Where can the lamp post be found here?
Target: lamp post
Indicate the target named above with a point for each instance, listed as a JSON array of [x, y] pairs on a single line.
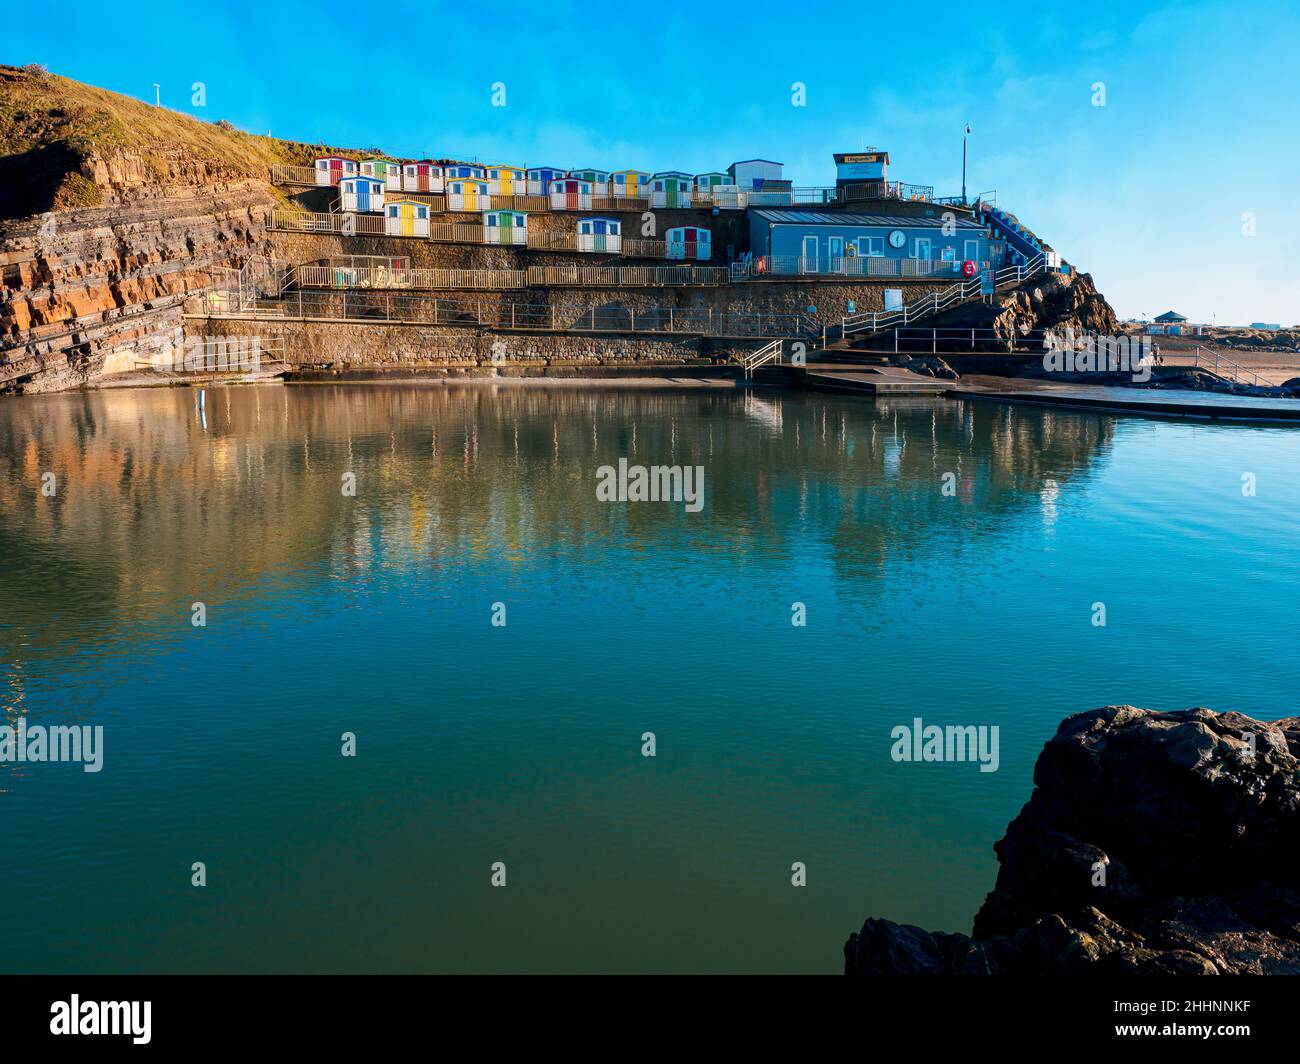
[[964, 135]]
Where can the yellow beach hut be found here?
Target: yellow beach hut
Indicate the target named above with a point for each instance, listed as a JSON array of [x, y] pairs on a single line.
[[629, 184], [467, 194], [507, 181], [406, 218]]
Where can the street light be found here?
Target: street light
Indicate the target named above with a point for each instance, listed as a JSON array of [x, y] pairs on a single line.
[[964, 135]]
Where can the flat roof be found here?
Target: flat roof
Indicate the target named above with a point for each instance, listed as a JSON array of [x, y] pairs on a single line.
[[813, 217]]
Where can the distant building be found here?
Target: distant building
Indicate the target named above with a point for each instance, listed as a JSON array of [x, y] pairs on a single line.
[[1271, 327], [1169, 317], [755, 173]]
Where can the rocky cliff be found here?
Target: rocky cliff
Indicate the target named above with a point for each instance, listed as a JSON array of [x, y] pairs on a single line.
[[111, 211], [1048, 301], [1152, 843]]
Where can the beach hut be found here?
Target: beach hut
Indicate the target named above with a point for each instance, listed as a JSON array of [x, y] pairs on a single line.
[[506, 181], [424, 176], [600, 234], [361, 194], [598, 179], [629, 183], [711, 180], [467, 194], [333, 168], [670, 189], [540, 178], [505, 227], [690, 242], [406, 218], [570, 194], [385, 170], [469, 170]]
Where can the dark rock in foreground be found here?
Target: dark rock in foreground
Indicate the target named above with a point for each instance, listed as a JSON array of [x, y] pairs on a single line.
[[1198, 837]]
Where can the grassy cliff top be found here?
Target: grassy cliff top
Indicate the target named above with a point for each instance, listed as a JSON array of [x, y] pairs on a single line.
[[57, 135]]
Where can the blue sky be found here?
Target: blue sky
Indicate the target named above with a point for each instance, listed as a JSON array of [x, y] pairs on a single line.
[[1147, 193]]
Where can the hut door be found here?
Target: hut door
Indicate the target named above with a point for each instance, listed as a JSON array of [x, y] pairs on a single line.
[[835, 252], [571, 195], [598, 229], [408, 220], [336, 170], [808, 261], [505, 227], [363, 195], [692, 244]]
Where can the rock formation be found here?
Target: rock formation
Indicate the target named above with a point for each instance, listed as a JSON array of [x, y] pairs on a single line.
[[1194, 818]]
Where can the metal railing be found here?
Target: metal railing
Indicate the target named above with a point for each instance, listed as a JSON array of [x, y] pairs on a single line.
[[359, 306], [345, 277], [455, 233], [932, 303], [295, 175], [345, 224], [520, 203], [846, 266], [1221, 366], [767, 353], [628, 276]]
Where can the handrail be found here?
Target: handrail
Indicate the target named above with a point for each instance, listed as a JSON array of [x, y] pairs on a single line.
[[1235, 368], [767, 353], [934, 302]]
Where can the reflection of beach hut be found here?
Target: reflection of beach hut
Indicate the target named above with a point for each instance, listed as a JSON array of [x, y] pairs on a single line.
[[385, 170], [506, 180], [406, 218], [600, 234], [570, 194], [467, 195], [470, 170], [598, 179], [333, 168], [540, 178], [690, 242], [361, 194], [505, 227], [672, 188], [629, 183], [424, 176]]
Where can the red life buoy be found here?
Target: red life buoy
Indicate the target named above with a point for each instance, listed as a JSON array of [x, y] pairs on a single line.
[[968, 268]]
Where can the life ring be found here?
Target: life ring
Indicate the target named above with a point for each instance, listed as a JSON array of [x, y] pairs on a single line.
[[968, 268]]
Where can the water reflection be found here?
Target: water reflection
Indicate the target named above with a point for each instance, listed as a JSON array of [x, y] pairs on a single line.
[[153, 507]]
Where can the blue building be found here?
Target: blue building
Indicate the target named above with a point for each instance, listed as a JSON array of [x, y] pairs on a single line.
[[794, 240]]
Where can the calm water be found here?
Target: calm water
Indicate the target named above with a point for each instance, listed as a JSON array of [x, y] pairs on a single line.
[[522, 743]]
